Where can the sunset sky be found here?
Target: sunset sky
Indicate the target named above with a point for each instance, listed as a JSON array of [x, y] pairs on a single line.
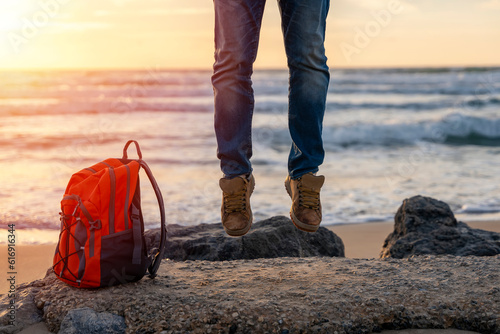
[[179, 34]]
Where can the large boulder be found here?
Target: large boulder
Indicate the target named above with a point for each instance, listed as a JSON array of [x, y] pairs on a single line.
[[424, 225], [273, 237]]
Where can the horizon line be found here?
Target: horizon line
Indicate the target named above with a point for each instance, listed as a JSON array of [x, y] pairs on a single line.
[[202, 69]]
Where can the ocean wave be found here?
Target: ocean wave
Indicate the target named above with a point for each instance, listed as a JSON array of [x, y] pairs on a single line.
[[479, 102], [146, 77], [118, 106], [423, 70], [453, 129], [205, 104], [470, 93], [414, 89], [479, 209]]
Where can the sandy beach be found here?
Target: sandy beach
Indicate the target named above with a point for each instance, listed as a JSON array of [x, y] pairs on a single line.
[[360, 240]]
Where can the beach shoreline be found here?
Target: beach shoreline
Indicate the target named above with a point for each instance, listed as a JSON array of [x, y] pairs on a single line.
[[361, 240]]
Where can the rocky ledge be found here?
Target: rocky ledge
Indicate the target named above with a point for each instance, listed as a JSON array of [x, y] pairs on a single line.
[[285, 295]]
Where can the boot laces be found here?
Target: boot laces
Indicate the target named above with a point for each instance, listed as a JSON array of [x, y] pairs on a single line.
[[308, 198], [235, 202]]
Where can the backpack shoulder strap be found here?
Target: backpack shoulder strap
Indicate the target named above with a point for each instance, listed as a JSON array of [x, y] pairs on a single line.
[[155, 264], [156, 258]]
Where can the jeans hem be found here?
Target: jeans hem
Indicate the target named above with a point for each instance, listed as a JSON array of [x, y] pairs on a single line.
[[297, 175]]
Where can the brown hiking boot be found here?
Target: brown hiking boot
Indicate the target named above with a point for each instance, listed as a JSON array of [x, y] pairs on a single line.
[[306, 204], [235, 210]]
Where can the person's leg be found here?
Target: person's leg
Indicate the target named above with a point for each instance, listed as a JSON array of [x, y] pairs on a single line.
[[303, 25], [237, 27]]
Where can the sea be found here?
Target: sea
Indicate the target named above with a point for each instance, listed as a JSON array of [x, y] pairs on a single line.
[[389, 134]]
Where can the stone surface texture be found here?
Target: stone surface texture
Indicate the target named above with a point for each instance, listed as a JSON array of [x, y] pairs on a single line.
[[312, 295]]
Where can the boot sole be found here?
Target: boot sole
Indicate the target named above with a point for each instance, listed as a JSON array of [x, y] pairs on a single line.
[[238, 233], [301, 226], [298, 224]]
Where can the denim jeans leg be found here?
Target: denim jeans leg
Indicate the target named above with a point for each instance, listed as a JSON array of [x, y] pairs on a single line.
[[303, 25], [237, 28]]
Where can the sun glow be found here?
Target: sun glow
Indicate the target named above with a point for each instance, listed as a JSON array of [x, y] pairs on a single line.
[[11, 12], [175, 34]]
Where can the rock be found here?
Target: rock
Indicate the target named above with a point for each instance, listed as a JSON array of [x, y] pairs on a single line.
[[86, 321], [26, 313], [302, 295], [273, 237], [424, 225]]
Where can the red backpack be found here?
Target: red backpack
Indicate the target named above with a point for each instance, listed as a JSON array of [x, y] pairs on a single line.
[[102, 229]]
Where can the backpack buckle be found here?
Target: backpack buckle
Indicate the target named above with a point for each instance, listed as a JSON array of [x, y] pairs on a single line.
[[63, 217], [95, 225]]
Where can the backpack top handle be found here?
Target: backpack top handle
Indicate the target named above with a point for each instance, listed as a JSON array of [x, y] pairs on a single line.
[[139, 153]]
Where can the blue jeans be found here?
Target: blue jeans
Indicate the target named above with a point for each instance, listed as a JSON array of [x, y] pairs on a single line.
[[237, 28]]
